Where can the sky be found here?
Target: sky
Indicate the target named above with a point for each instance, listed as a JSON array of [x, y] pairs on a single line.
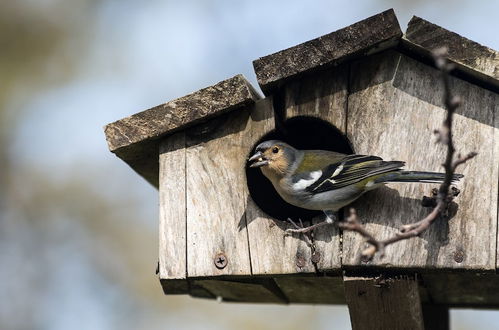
[[119, 58]]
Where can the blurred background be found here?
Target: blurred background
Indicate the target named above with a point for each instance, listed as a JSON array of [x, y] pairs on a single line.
[[78, 228]]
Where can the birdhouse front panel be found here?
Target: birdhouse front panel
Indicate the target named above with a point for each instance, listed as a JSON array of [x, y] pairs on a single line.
[[394, 106]]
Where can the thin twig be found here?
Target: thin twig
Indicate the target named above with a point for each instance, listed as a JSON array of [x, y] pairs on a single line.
[[444, 197]]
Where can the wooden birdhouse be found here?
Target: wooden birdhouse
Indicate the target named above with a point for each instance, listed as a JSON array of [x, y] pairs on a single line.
[[366, 89]]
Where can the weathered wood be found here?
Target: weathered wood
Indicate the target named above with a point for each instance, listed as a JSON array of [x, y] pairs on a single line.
[[373, 34], [384, 304], [323, 96], [463, 289], [240, 291], [172, 215], [435, 317], [394, 105], [479, 61], [389, 108], [312, 289], [495, 147], [271, 252], [175, 286], [135, 139], [216, 198]]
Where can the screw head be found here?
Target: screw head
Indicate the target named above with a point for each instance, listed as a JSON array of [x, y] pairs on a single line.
[[300, 261], [316, 257], [220, 260], [459, 256]]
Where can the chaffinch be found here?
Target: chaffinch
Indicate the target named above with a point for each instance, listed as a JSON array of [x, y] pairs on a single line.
[[327, 181]]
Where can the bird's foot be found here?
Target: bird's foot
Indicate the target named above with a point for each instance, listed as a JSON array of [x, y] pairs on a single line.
[[301, 229], [300, 226]]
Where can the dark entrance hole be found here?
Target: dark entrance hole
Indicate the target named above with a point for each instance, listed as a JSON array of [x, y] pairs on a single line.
[[301, 133]]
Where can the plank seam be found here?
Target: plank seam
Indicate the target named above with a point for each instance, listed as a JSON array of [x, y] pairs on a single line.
[[185, 207]]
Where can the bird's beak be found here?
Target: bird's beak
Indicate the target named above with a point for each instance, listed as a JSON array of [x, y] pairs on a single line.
[[258, 159]]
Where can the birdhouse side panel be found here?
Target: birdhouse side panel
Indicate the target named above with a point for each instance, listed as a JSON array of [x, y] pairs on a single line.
[[394, 106], [172, 214]]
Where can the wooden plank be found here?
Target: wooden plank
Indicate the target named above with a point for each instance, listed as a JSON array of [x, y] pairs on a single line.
[[394, 105], [463, 289], [135, 138], [436, 317], [383, 304], [246, 129], [238, 291], [312, 289], [216, 196], [271, 252], [373, 34], [322, 95], [478, 61], [495, 146], [177, 114], [172, 215], [175, 286]]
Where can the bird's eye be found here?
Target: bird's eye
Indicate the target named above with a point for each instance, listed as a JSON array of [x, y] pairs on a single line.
[[275, 150]]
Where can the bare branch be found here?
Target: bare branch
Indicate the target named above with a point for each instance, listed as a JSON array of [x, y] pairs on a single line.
[[443, 196], [352, 223]]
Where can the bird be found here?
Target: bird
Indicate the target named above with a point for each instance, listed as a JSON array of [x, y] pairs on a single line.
[[326, 180]]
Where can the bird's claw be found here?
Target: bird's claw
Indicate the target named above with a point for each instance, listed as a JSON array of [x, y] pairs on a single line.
[[301, 229], [298, 230], [297, 227]]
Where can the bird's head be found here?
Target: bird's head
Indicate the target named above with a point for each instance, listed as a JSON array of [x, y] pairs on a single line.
[[274, 156]]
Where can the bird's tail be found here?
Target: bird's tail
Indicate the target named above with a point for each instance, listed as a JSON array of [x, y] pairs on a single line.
[[415, 176]]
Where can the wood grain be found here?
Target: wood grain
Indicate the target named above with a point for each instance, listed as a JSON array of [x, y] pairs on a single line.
[[460, 289], [271, 252], [322, 95], [240, 291], [386, 304], [172, 214], [180, 113], [216, 196], [394, 105], [312, 289], [476, 60], [135, 139], [372, 34]]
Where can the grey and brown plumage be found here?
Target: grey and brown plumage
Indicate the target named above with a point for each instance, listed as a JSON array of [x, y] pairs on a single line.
[[326, 180]]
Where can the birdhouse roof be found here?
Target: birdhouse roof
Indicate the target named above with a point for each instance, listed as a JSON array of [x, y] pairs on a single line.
[[135, 138]]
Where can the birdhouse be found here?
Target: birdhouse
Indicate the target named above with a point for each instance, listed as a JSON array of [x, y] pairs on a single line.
[[365, 89]]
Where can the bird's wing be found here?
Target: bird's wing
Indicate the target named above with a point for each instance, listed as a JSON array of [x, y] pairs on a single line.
[[350, 170]]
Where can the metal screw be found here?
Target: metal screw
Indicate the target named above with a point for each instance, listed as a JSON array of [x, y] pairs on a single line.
[[459, 256], [220, 261], [300, 261], [316, 257]]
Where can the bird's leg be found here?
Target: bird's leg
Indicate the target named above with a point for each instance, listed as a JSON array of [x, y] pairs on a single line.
[[308, 240], [330, 218]]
